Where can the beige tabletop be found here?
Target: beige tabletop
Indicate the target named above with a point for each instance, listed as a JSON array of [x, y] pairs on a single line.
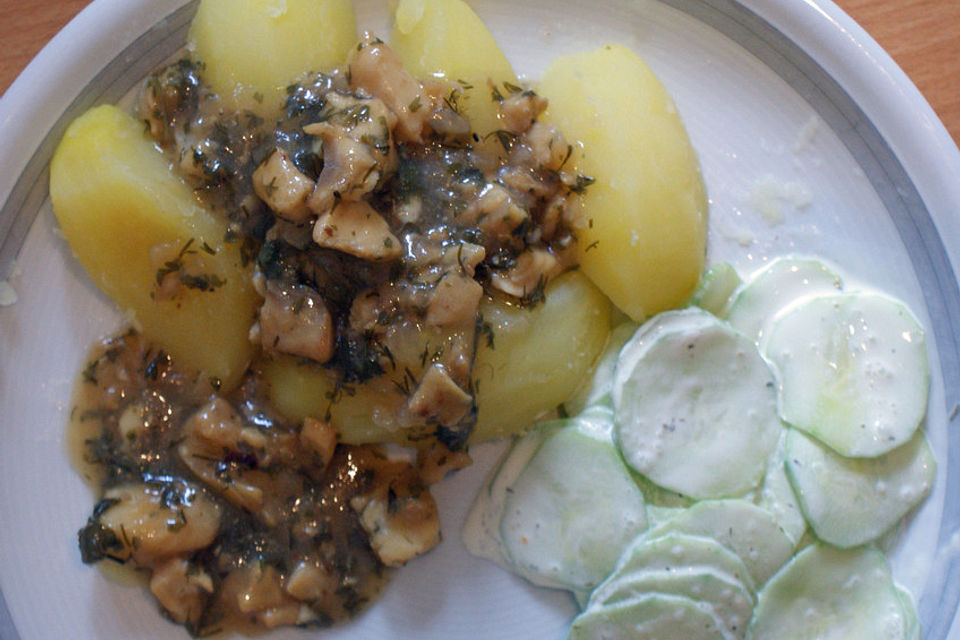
[[923, 36]]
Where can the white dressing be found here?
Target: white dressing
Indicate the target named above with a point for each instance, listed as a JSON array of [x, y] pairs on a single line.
[[852, 371]]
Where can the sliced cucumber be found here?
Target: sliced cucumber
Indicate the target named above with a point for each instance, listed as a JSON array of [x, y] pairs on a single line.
[[570, 512], [481, 528], [596, 389], [672, 550], [851, 501], [716, 288], [690, 396], [852, 370], [648, 617], [778, 284], [825, 594], [911, 619], [639, 343], [657, 514], [776, 495], [655, 495], [596, 421], [728, 598], [744, 528]]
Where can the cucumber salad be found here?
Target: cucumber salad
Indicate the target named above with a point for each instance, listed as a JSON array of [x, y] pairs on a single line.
[[733, 469]]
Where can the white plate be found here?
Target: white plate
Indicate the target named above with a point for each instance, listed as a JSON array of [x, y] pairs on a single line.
[[776, 94]]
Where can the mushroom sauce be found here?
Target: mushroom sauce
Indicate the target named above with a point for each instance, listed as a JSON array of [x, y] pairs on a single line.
[[375, 221]]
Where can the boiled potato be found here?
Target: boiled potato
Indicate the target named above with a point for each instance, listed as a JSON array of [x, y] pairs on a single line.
[[446, 39], [134, 227], [363, 413], [537, 360], [644, 246], [368, 412], [539, 356], [253, 49]]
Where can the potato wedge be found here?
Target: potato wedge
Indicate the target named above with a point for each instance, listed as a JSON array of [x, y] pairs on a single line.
[[645, 243], [374, 411], [539, 356], [362, 413], [148, 244], [253, 49], [537, 360], [446, 39]]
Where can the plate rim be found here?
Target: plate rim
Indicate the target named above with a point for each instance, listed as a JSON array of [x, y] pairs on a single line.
[[831, 38]]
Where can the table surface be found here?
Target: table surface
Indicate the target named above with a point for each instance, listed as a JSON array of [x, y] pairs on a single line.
[[923, 36]]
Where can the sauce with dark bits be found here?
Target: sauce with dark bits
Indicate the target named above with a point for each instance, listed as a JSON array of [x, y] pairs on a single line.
[[131, 411], [373, 229]]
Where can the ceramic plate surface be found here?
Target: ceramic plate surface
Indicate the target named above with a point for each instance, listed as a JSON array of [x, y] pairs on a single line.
[[810, 138]]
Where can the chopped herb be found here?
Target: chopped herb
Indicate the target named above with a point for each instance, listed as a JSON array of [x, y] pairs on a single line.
[[89, 373], [175, 265], [582, 183], [201, 282], [415, 105], [485, 329], [512, 88], [452, 101], [270, 188], [538, 294], [506, 138]]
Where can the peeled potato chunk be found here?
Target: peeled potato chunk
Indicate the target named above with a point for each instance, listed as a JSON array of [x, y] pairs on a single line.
[[253, 49], [647, 209], [539, 356], [148, 244], [446, 39], [364, 413]]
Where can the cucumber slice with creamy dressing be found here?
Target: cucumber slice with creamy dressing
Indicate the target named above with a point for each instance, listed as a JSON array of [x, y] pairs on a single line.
[[596, 389], [728, 598], [669, 550], [780, 283], [481, 528], [910, 616], [825, 594], [691, 395], [640, 342], [852, 501], [852, 370], [570, 512], [647, 617], [776, 495], [716, 288], [744, 528]]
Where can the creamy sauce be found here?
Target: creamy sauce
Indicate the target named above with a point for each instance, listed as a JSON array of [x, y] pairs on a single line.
[[304, 518], [372, 232]]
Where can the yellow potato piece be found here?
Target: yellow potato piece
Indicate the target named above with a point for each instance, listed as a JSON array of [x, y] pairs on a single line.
[[539, 356], [122, 210], [646, 240], [253, 49], [446, 39], [362, 413]]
